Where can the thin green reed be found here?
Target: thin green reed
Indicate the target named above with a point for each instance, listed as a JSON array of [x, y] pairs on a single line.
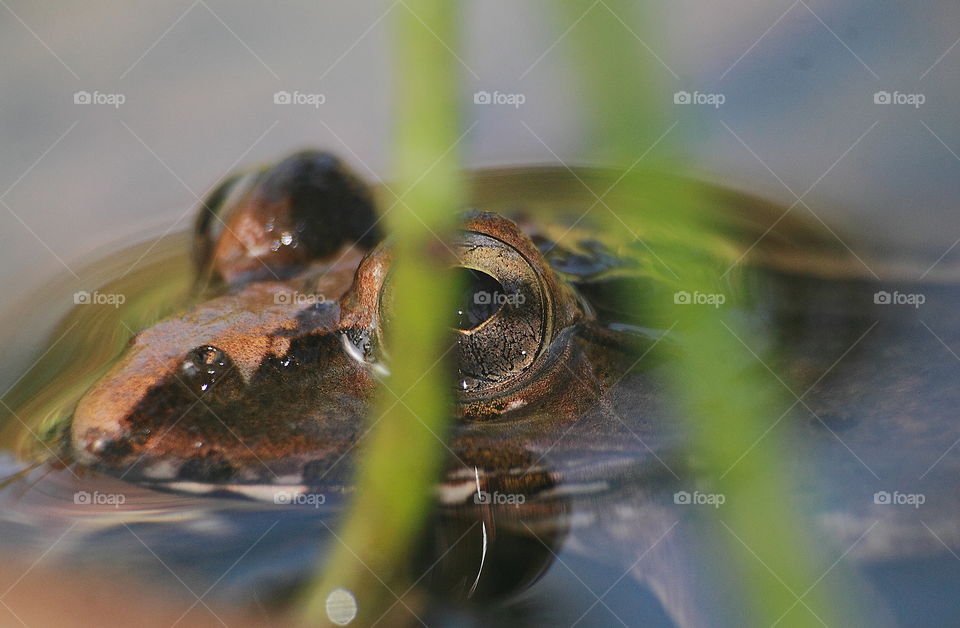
[[403, 452], [721, 385]]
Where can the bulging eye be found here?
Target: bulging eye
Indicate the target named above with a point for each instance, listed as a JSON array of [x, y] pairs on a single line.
[[510, 309], [502, 316], [274, 222]]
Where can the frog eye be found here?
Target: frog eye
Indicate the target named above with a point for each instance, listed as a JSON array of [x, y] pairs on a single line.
[[510, 310], [503, 314], [271, 224]]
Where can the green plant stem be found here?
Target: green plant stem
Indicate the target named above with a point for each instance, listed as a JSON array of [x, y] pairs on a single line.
[[402, 454], [722, 387]]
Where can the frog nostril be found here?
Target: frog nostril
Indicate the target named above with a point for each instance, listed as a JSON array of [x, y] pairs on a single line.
[[205, 366]]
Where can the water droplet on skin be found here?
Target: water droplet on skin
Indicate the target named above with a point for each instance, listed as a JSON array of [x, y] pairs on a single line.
[[198, 444], [286, 238], [275, 246]]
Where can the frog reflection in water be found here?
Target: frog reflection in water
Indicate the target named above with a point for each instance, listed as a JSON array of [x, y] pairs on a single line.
[[269, 382]]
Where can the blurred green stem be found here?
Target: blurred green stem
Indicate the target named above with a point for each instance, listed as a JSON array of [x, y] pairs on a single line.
[[402, 454], [721, 385]]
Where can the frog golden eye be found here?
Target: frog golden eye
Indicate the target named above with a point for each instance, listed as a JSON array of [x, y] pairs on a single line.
[[510, 310], [503, 314]]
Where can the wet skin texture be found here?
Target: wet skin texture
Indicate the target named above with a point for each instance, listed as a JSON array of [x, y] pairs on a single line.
[[269, 381]]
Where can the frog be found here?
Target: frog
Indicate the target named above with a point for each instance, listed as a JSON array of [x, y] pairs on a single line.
[[559, 396], [270, 378], [263, 389]]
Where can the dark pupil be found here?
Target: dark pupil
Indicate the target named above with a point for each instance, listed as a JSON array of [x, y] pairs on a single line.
[[481, 297]]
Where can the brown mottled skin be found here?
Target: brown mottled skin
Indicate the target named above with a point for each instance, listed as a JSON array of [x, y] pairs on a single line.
[[269, 381]]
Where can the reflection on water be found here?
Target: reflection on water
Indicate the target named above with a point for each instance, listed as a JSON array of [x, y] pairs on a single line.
[[595, 522]]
